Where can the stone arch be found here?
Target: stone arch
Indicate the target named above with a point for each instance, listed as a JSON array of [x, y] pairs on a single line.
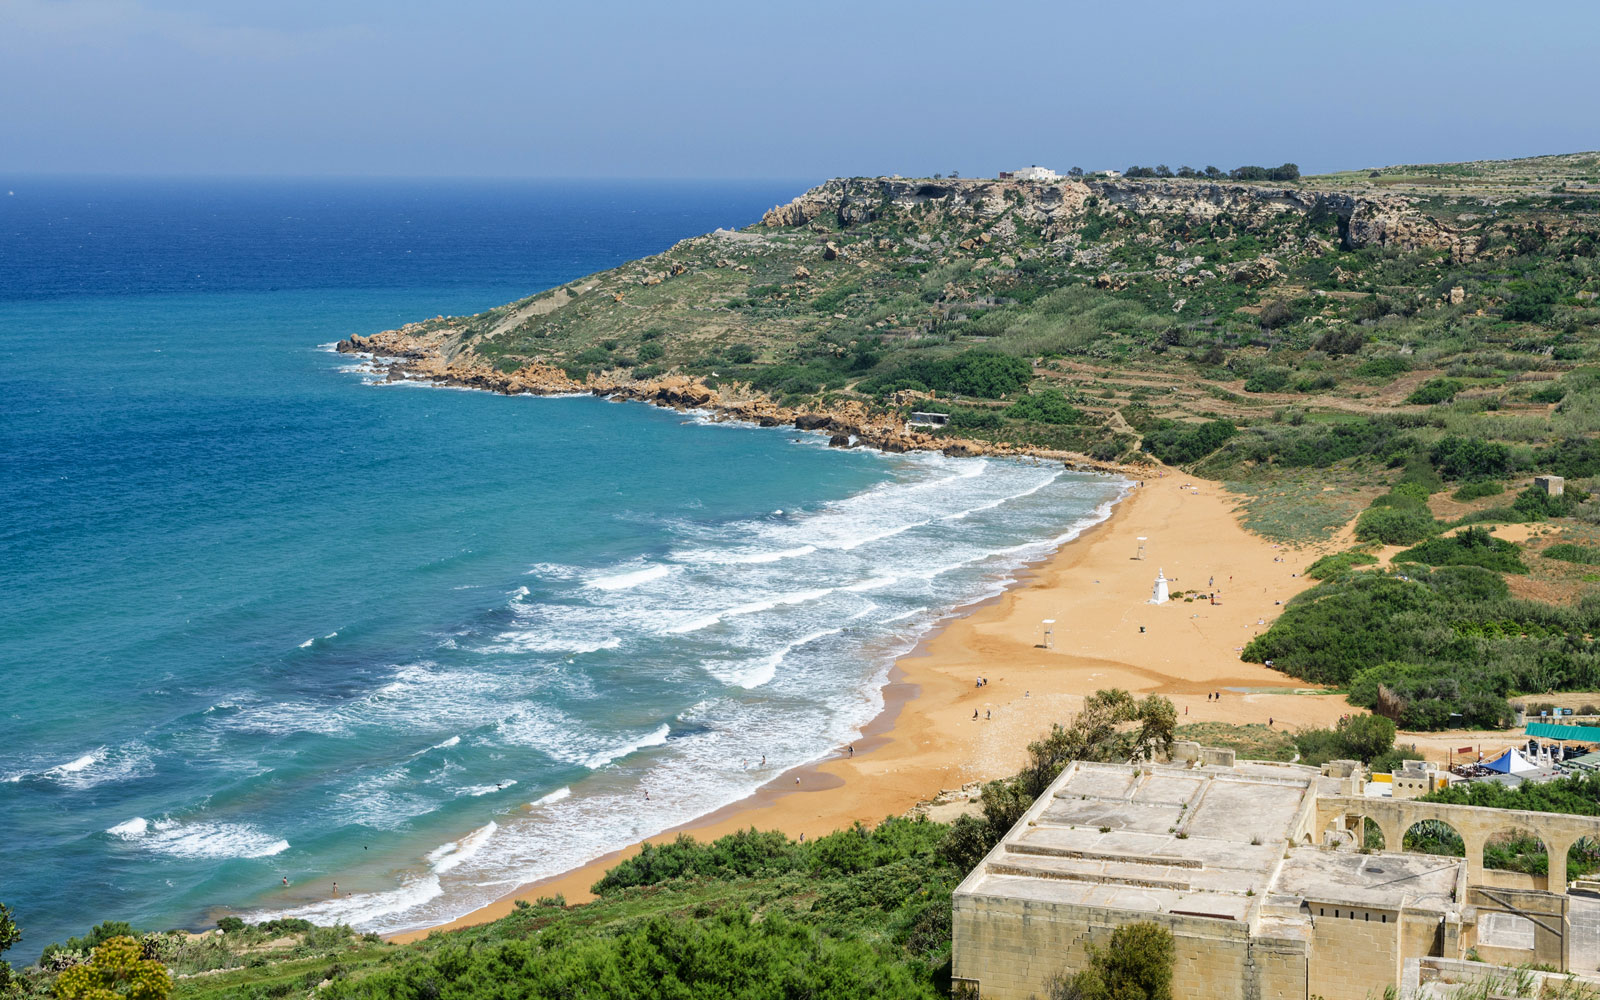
[[1434, 836], [1372, 835], [1516, 849], [1583, 859]]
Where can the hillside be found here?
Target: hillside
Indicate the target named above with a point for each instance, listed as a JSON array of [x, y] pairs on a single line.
[[1417, 341], [1138, 301]]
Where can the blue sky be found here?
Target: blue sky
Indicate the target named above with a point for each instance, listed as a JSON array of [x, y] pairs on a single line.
[[694, 88]]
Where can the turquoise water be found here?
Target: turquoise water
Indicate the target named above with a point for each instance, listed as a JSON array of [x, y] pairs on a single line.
[[267, 620]]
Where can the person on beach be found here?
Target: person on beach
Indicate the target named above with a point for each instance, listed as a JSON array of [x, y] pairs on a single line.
[[974, 714], [335, 890], [763, 760], [986, 713], [852, 749], [286, 881]]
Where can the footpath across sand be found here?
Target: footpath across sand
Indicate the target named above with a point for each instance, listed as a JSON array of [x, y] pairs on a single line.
[[1105, 635]]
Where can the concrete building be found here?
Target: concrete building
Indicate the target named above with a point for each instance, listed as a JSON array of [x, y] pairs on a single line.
[[1033, 173], [1257, 870], [1552, 485]]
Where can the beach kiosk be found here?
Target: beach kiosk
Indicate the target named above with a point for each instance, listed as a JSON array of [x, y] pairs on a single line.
[[1140, 554], [1158, 593]]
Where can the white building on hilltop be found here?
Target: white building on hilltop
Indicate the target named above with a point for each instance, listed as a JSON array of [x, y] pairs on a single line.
[[1033, 173]]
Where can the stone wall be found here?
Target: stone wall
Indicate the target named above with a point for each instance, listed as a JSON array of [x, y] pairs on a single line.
[[1011, 948], [1355, 952]]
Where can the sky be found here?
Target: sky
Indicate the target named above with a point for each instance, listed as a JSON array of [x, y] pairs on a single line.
[[708, 89]]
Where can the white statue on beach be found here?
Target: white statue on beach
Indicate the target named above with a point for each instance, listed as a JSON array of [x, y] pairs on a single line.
[[1158, 593]]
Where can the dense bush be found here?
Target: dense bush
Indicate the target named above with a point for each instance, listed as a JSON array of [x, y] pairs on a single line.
[[1567, 552], [1047, 406], [1321, 445], [1440, 642], [1268, 379], [1574, 458], [749, 853], [1478, 489], [725, 954], [1435, 390], [1434, 696], [1356, 737], [1395, 525], [1471, 458], [987, 374], [1472, 547], [1387, 367], [1339, 563], [1179, 444], [1534, 504]]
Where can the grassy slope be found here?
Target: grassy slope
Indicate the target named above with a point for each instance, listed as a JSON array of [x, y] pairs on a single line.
[[1117, 316]]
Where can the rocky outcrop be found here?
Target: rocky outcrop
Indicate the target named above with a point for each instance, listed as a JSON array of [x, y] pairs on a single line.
[[427, 353], [1061, 207]]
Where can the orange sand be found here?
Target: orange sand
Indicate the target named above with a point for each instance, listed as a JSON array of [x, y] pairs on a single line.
[[1094, 588]]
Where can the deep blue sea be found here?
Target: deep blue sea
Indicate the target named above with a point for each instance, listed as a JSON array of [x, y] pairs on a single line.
[[265, 620]]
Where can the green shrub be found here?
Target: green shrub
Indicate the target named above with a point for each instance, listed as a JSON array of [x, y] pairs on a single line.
[[1136, 965], [1535, 504], [1356, 737], [1339, 563], [650, 351], [1180, 444], [1568, 552], [1435, 390], [1269, 379], [1047, 406], [1478, 489], [1472, 547], [1471, 458], [986, 374], [1395, 525], [1385, 368]]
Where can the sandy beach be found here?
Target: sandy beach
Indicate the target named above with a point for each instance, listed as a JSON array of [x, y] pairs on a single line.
[[1106, 635]]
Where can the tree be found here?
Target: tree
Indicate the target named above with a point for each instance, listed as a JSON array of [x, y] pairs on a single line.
[[1113, 727], [115, 971], [10, 934], [1213, 173], [1136, 966], [1075, 172]]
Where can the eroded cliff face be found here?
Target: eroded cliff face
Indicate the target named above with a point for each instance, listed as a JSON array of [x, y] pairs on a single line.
[[1060, 208]]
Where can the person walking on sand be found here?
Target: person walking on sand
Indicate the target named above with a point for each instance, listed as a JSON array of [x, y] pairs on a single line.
[[974, 713], [852, 749]]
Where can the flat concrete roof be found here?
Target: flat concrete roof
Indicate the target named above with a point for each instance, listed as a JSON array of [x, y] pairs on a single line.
[[1198, 840], [1378, 881]]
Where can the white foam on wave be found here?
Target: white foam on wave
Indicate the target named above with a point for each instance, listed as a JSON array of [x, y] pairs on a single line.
[[447, 744], [992, 504], [477, 791], [363, 909], [83, 763], [198, 840], [655, 738], [741, 557], [706, 621], [553, 797], [766, 668], [448, 856], [630, 579], [307, 643]]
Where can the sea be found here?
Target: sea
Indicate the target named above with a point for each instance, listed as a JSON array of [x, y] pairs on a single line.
[[264, 620]]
